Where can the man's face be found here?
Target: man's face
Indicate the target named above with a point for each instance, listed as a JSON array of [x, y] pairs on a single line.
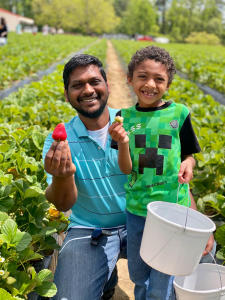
[[149, 81], [87, 91]]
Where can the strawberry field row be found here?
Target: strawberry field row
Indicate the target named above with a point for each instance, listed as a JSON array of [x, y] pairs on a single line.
[[203, 64], [26, 54]]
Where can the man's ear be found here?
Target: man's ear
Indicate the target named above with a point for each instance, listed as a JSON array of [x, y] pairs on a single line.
[[108, 87], [66, 96]]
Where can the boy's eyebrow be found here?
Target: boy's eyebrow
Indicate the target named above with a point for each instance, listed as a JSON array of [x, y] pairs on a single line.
[[156, 74]]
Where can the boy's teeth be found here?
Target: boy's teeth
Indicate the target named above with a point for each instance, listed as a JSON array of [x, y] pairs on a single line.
[[149, 94]]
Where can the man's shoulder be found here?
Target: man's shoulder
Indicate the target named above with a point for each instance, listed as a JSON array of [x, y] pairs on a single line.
[[73, 125], [113, 111]]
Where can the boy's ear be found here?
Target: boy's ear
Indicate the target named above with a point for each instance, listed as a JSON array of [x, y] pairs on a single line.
[[129, 80], [65, 94]]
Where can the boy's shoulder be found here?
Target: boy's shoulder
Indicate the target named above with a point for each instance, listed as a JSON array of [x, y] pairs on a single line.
[[128, 109], [180, 107]]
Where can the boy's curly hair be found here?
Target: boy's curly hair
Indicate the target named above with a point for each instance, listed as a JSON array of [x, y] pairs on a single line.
[[154, 53]]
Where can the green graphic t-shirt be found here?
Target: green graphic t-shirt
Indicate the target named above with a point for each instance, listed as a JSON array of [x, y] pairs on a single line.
[[155, 137]]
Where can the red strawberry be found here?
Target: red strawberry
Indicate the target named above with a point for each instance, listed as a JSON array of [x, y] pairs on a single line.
[[59, 133]]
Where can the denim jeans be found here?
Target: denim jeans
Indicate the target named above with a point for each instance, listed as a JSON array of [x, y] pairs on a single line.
[[84, 269], [150, 284]]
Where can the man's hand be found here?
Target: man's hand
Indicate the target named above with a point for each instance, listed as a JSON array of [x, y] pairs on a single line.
[[186, 170], [118, 133], [58, 161]]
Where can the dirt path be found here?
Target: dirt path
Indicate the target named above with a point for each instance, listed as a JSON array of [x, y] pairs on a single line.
[[120, 97]]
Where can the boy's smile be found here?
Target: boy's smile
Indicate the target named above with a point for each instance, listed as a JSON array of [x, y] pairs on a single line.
[[150, 82]]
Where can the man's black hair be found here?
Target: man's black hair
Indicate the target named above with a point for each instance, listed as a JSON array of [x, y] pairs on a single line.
[[81, 60], [154, 53]]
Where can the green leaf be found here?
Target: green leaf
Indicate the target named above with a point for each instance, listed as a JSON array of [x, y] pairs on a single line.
[[47, 289], [45, 275], [38, 139], [221, 254], [28, 254], [22, 240], [220, 235], [4, 148], [9, 229], [5, 178], [3, 216], [4, 295], [6, 203], [33, 192]]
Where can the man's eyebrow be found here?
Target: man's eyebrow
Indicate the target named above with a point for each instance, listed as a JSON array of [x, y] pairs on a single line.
[[81, 80], [75, 81]]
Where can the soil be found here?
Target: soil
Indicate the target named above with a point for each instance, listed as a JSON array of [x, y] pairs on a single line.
[[120, 97]]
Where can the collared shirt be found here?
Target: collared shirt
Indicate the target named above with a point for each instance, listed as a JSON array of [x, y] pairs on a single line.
[[99, 181]]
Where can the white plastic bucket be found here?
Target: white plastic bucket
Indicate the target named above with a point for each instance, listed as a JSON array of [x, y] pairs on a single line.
[[206, 283], [173, 241]]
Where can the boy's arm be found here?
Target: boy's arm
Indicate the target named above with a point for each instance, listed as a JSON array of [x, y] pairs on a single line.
[[62, 192], [186, 169], [120, 136], [210, 243]]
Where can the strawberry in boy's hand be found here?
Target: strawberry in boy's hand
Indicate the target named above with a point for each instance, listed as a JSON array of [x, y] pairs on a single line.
[[118, 119], [59, 133]]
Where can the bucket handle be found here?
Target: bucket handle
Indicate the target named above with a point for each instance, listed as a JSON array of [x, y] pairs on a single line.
[[178, 189], [220, 278]]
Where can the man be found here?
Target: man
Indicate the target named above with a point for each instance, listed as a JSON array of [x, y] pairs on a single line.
[[85, 177]]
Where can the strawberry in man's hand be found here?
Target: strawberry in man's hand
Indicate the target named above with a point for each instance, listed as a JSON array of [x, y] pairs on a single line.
[[59, 133]]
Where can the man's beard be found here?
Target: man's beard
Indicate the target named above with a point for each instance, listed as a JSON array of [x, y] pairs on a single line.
[[94, 114]]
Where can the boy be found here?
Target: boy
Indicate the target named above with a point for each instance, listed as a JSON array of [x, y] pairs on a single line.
[[158, 137]]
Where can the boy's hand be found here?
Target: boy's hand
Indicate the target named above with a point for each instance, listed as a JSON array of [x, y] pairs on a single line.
[[118, 133], [209, 245], [186, 170], [58, 161]]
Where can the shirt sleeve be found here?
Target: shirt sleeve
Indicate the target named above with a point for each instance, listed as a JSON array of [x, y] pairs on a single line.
[[114, 144], [188, 139]]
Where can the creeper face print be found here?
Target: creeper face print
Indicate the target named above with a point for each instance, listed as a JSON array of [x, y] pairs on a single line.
[[151, 158]]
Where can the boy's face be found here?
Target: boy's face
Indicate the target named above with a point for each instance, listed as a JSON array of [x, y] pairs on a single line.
[[150, 81]]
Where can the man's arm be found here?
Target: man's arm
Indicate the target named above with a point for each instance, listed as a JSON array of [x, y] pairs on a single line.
[[62, 192]]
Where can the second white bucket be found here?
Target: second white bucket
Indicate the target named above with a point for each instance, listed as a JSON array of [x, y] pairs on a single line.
[[206, 283], [174, 237]]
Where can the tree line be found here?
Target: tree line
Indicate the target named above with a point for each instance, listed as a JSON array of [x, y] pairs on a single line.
[[176, 19]]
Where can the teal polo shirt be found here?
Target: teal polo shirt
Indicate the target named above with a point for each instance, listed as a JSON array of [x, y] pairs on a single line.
[[100, 183]]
